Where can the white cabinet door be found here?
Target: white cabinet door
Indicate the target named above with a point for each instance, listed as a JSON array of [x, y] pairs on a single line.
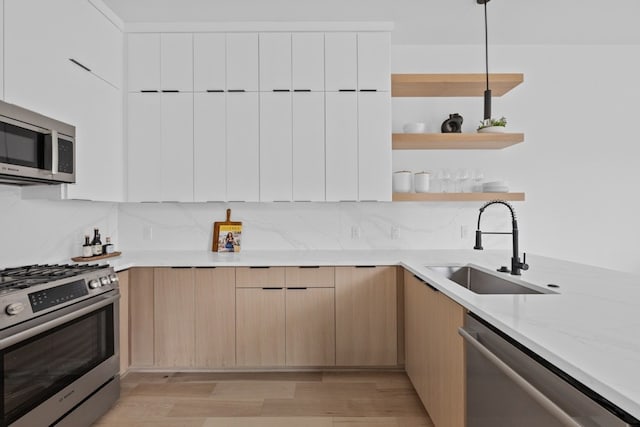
[[275, 61], [144, 147], [143, 58], [341, 66], [176, 62], [243, 168], [374, 146], [341, 146], [242, 62], [307, 56], [374, 70], [99, 148], [99, 46], [308, 146], [1, 49], [209, 62], [177, 147], [275, 147], [209, 147]]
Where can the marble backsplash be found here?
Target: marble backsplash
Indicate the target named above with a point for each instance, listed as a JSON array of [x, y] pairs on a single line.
[[306, 226]]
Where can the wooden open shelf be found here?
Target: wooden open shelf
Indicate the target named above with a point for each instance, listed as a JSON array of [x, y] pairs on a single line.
[[456, 197], [427, 85], [455, 141]]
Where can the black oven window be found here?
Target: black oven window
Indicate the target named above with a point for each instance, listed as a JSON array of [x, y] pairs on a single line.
[[37, 368]]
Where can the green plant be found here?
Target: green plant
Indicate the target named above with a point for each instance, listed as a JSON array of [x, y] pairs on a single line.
[[502, 121]]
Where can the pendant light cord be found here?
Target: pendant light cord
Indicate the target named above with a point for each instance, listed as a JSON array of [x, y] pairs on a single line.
[[486, 43]]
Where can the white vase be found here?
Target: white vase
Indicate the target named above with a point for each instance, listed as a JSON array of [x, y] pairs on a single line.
[[492, 129], [402, 181]]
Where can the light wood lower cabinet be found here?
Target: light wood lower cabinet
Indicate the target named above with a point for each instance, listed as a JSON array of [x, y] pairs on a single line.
[[174, 338], [310, 327], [141, 316], [434, 351], [260, 326], [215, 318], [123, 284], [366, 316]]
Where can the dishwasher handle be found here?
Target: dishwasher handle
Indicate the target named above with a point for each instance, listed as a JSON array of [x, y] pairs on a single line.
[[528, 388]]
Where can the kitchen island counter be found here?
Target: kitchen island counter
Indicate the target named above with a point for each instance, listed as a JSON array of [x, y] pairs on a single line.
[[588, 329]]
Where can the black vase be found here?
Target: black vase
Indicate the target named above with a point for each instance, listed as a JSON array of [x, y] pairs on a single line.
[[453, 124]]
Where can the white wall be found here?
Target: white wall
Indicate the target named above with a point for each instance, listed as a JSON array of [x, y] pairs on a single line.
[[42, 231]]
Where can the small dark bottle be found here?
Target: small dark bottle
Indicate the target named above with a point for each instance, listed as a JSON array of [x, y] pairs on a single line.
[[96, 243], [87, 248]]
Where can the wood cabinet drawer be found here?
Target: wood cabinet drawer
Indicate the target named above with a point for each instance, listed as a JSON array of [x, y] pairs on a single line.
[[313, 277], [257, 277]]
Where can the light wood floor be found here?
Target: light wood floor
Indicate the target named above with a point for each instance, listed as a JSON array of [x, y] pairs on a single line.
[[344, 399]]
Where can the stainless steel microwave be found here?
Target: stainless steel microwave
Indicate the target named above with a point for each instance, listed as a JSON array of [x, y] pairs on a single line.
[[35, 149]]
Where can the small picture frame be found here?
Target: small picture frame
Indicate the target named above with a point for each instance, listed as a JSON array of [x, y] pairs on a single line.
[[227, 235]]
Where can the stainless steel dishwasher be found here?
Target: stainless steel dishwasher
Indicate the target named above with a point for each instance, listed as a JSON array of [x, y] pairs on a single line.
[[508, 385]]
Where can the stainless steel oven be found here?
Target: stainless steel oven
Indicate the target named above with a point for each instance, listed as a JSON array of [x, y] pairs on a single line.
[[60, 358]]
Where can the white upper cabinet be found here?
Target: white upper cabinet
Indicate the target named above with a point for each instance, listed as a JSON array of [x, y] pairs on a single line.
[[143, 58], [209, 62], [177, 147], [342, 146], [275, 147], [308, 146], [144, 147], [374, 146], [307, 55], [341, 66], [1, 49], [275, 62], [374, 69], [243, 149], [176, 62], [209, 147], [242, 62]]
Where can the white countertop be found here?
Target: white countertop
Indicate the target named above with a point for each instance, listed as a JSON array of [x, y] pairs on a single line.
[[590, 329]]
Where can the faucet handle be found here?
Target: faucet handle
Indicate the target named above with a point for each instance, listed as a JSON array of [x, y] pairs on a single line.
[[524, 266]]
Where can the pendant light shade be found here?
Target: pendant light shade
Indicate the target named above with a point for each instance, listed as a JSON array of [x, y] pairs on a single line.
[[487, 92]]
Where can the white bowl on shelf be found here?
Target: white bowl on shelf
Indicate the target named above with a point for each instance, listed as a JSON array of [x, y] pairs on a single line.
[[492, 129], [414, 127]]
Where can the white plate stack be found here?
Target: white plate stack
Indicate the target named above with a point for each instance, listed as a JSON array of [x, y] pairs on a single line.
[[495, 187]]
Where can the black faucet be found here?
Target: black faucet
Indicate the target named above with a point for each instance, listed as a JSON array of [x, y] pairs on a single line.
[[516, 264]]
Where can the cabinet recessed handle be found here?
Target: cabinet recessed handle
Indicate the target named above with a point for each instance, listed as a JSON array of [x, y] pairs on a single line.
[[297, 289], [271, 289], [309, 266], [236, 90], [431, 287], [170, 91], [419, 278], [365, 266], [148, 91], [281, 90], [215, 90], [302, 90], [180, 267], [368, 90], [260, 266], [346, 90], [84, 67]]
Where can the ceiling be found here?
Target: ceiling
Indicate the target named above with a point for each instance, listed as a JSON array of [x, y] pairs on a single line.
[[421, 21]]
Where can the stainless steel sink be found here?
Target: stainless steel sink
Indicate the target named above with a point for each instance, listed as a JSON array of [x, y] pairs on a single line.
[[483, 282]]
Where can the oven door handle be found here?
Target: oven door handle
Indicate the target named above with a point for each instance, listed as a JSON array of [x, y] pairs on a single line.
[[43, 327], [54, 152], [525, 385]]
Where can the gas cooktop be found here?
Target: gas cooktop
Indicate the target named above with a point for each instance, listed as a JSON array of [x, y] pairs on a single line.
[[12, 279]]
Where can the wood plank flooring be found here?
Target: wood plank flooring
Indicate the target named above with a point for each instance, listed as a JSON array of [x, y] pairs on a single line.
[[273, 399]]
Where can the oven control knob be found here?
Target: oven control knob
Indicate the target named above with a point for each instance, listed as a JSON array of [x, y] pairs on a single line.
[[113, 277], [94, 284], [15, 308], [104, 281]]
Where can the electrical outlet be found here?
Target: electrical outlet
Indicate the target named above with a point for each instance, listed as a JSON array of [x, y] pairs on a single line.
[[395, 233], [147, 233], [355, 232], [464, 231]]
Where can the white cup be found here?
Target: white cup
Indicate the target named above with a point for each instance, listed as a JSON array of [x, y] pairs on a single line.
[[402, 182], [421, 182]]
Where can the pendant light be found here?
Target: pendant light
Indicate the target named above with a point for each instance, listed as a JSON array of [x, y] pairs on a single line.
[[487, 92]]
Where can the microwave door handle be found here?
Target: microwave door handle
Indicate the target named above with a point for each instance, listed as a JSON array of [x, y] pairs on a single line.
[[54, 152]]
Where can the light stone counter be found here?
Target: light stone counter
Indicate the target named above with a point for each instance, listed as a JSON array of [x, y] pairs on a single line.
[[590, 329]]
